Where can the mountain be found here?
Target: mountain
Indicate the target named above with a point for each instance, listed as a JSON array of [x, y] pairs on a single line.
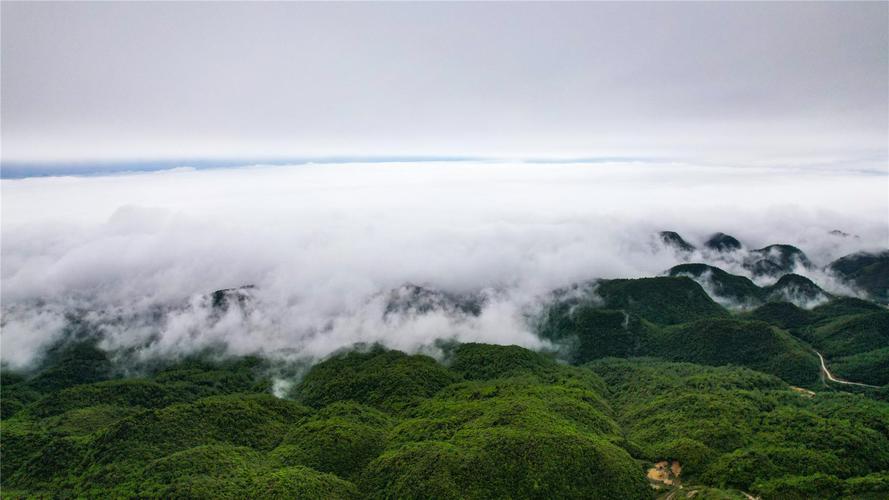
[[725, 288], [856, 345], [240, 297], [586, 332], [776, 260], [866, 271], [609, 321], [783, 315], [661, 300], [721, 242], [727, 341], [842, 234], [415, 299], [674, 240], [796, 289], [383, 379], [738, 292], [843, 306], [852, 335]]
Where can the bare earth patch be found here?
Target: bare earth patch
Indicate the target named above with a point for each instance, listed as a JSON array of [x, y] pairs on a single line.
[[804, 392], [664, 473]]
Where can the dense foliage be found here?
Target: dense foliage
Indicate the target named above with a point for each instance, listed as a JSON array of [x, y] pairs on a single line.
[[491, 422], [737, 428], [857, 345], [737, 289], [586, 329], [866, 271], [662, 300]]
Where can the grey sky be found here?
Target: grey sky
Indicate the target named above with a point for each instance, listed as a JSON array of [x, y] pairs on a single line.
[[767, 83]]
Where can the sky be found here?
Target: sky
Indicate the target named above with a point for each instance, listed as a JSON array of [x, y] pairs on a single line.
[[790, 84]]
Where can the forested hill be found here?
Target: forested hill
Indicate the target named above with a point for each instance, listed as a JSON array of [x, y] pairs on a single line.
[[485, 422]]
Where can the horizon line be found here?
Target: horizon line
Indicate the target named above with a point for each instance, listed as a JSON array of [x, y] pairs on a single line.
[[12, 170], [88, 168]]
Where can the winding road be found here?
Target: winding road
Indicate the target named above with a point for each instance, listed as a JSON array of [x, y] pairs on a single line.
[[826, 373]]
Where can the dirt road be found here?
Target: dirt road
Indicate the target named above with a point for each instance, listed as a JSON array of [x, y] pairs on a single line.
[[830, 376]]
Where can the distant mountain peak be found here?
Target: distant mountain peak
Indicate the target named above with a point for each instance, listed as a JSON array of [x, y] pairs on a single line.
[[843, 234], [866, 271], [722, 242], [418, 299], [776, 260], [798, 290], [674, 240], [227, 297], [728, 289]]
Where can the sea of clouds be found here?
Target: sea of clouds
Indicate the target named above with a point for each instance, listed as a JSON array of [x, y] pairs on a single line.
[[137, 254]]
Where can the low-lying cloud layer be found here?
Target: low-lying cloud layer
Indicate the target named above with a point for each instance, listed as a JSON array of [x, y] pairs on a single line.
[[324, 245]]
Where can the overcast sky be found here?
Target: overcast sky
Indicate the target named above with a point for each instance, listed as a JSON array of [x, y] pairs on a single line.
[[731, 83]]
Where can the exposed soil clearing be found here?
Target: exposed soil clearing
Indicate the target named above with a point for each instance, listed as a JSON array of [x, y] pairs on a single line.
[[804, 392], [664, 473]]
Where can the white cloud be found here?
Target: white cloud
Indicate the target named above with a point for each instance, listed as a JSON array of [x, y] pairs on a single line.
[[320, 242]]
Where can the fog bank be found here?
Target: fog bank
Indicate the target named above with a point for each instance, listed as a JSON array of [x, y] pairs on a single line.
[[324, 243]]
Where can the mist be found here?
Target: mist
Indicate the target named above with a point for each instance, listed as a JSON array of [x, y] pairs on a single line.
[[323, 245]]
